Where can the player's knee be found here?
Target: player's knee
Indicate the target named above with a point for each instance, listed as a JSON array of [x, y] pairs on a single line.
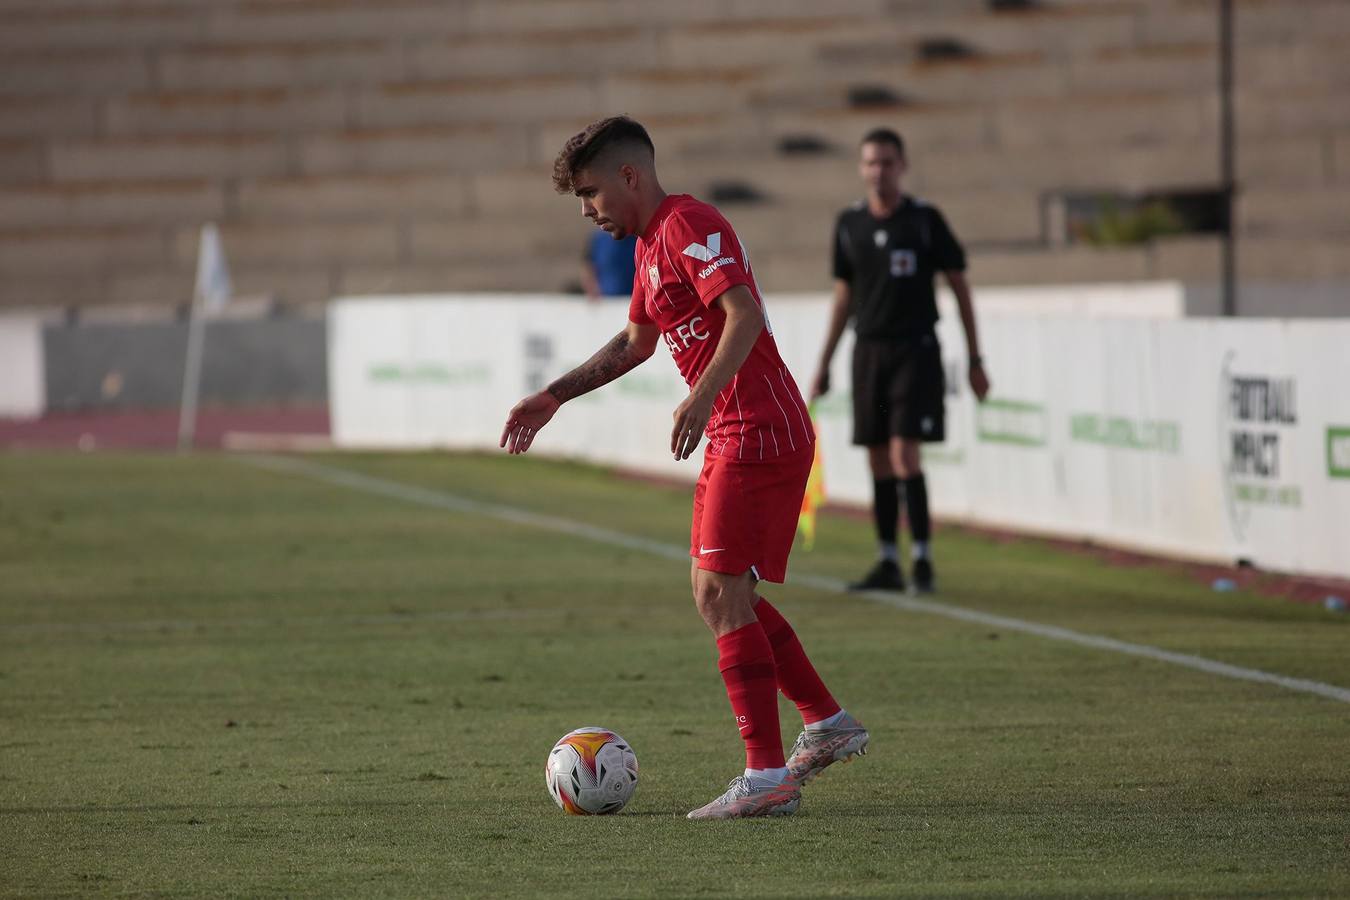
[[879, 458], [908, 460], [709, 595]]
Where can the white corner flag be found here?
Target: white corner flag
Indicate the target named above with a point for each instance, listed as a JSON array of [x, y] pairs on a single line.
[[213, 276], [210, 293]]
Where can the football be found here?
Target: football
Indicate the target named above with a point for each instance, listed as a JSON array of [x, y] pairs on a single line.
[[591, 772]]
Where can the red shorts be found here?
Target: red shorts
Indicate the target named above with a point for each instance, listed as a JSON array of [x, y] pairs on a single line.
[[745, 513]]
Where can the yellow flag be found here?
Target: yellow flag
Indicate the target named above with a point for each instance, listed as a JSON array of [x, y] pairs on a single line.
[[814, 498]]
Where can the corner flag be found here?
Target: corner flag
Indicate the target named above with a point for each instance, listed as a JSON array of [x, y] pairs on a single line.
[[210, 293], [814, 498], [213, 287]]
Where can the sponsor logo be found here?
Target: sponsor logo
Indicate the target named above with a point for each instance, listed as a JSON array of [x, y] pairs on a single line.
[[705, 252], [680, 338], [654, 277], [430, 373], [742, 722], [1017, 422], [1338, 451], [1131, 434], [880, 237], [1258, 413], [903, 263], [703, 550], [724, 261]]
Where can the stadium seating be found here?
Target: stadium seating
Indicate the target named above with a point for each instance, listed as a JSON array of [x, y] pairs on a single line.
[[350, 145]]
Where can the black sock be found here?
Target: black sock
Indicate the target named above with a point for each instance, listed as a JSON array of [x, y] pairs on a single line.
[[886, 508], [916, 504]]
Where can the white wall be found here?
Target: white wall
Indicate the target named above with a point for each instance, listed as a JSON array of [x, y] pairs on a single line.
[[22, 383], [1139, 430]]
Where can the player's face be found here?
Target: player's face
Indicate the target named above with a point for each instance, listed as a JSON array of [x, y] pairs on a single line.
[[608, 199], [881, 166]]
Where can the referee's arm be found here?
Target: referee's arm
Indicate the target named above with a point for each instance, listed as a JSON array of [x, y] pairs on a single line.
[[979, 379], [839, 311]]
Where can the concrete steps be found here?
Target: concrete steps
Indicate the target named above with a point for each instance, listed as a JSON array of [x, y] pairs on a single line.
[[349, 145]]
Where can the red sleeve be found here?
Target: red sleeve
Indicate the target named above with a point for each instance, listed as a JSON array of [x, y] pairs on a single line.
[[706, 254]]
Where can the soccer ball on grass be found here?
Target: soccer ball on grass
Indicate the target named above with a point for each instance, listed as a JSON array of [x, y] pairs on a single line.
[[591, 772]]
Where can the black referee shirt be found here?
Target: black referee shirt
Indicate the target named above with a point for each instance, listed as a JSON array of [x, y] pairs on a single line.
[[890, 263]]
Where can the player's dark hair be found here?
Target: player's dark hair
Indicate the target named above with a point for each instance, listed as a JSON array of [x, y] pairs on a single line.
[[884, 136], [582, 149]]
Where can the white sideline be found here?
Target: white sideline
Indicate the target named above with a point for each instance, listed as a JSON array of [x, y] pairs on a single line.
[[442, 500]]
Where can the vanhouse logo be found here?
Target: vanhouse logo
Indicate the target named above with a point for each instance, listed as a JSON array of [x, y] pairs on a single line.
[[1257, 415]]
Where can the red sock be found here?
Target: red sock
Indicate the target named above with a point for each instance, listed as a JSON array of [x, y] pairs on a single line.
[[797, 678], [746, 662]]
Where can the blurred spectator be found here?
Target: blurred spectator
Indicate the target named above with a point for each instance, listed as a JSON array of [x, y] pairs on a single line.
[[607, 266]]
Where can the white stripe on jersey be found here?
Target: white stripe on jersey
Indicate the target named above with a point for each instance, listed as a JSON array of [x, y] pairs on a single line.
[[661, 238], [781, 410], [721, 415], [783, 377], [740, 442]]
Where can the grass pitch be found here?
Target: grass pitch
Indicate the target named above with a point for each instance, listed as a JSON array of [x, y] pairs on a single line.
[[222, 681]]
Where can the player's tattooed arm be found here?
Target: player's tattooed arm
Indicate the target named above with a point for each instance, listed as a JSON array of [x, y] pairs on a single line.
[[626, 351]]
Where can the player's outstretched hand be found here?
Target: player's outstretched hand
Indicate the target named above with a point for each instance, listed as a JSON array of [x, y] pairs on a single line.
[[979, 382], [820, 385], [691, 417], [525, 420]]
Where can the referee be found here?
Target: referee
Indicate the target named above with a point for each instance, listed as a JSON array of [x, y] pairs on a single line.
[[887, 250]]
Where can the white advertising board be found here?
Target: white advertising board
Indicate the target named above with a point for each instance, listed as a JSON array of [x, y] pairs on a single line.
[[23, 384], [1210, 439]]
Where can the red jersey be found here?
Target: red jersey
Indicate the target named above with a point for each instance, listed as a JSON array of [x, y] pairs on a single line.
[[686, 258]]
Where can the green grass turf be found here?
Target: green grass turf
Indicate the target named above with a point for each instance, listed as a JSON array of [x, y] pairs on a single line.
[[222, 681]]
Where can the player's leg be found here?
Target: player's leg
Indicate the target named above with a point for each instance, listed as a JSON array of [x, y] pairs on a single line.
[[723, 546], [796, 676], [745, 659], [777, 498], [885, 500], [829, 733], [921, 387], [871, 414], [909, 465], [746, 662]]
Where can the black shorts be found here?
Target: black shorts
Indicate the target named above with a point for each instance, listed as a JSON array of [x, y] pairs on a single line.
[[898, 390]]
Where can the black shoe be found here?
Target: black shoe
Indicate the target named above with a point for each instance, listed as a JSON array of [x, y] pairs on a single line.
[[925, 581], [885, 576]]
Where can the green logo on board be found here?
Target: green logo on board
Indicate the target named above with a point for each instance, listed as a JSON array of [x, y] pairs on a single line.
[[1017, 422], [430, 373], [1130, 434], [1338, 451]]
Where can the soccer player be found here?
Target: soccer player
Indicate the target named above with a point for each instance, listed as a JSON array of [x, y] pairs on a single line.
[[695, 289], [887, 249]]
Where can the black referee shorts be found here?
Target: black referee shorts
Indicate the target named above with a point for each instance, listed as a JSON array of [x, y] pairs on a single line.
[[898, 387]]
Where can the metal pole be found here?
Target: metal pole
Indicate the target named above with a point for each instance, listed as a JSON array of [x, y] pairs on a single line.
[[192, 373], [1226, 158]]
